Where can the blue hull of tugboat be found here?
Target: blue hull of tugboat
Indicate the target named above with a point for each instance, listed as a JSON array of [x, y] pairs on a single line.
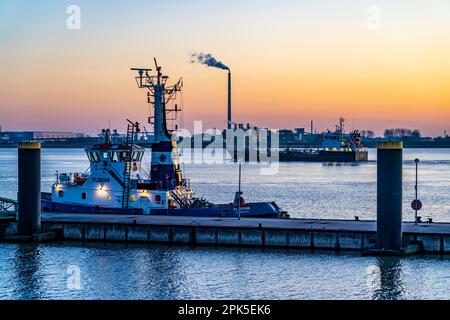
[[250, 210], [50, 206]]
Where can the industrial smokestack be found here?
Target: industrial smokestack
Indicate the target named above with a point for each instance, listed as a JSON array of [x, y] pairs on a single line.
[[208, 60], [229, 99]]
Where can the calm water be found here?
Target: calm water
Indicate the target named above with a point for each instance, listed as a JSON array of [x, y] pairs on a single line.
[[106, 271], [158, 272]]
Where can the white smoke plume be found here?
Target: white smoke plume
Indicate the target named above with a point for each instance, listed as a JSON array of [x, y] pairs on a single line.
[[208, 60]]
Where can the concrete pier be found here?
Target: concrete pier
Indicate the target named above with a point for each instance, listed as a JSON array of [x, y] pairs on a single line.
[[281, 233]]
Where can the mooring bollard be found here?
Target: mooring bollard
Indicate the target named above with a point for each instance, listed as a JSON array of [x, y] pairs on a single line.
[[29, 196], [389, 195]]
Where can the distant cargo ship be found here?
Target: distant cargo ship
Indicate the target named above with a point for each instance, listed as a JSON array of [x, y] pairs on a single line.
[[336, 147]]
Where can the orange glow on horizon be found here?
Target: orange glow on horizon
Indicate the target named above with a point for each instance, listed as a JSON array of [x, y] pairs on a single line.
[[286, 72]]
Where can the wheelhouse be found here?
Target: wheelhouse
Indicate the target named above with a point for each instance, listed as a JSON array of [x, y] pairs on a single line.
[[114, 153]]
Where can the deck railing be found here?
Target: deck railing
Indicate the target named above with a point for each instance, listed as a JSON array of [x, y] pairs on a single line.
[[8, 207]]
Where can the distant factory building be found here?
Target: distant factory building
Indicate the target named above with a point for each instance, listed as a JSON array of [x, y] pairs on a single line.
[[291, 136], [298, 138], [18, 136]]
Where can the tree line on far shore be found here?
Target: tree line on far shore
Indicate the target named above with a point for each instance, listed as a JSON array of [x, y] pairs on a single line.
[[394, 133]]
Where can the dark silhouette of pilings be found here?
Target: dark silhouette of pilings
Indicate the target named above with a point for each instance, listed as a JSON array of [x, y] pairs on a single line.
[[389, 195], [29, 196]]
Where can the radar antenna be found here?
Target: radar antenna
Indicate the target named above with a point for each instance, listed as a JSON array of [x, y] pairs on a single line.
[[158, 96]]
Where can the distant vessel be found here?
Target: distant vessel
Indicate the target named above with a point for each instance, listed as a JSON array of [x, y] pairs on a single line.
[[336, 147], [117, 183]]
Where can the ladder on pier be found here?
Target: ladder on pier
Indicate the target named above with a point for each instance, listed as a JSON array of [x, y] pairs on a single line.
[[127, 169], [8, 208]]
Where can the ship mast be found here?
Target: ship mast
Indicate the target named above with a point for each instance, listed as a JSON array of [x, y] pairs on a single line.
[[165, 170], [158, 96]]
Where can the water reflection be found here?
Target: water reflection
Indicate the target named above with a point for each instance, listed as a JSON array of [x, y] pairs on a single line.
[[28, 282], [145, 272], [386, 279], [118, 271], [163, 274]]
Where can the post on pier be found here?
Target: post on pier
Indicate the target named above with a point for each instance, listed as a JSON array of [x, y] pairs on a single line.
[[389, 195], [29, 195]]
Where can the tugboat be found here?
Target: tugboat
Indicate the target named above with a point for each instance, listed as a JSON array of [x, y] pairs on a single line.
[[336, 147], [117, 183]]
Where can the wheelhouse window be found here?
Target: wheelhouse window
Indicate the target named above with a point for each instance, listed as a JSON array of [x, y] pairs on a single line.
[[123, 156], [115, 156], [95, 156], [136, 156]]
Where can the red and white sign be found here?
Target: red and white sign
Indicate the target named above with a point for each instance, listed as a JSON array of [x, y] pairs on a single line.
[[416, 205]]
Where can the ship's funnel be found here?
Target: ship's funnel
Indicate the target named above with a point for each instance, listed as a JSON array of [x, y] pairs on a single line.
[[229, 99]]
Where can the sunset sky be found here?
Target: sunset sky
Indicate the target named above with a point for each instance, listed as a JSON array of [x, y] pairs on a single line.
[[292, 61]]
